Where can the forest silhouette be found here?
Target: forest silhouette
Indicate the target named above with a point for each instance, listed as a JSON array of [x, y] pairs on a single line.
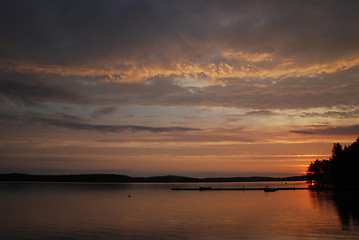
[[340, 170]]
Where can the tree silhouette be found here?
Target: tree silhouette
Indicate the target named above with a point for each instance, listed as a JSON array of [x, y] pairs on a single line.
[[345, 164], [319, 171], [341, 169]]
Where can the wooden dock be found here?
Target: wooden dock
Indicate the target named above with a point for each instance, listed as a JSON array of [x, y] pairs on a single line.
[[266, 189]]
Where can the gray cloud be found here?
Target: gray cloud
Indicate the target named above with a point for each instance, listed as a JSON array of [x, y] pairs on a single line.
[[324, 90], [77, 33], [261, 113], [32, 93], [73, 32], [327, 130], [67, 32], [104, 111], [110, 128], [303, 132], [332, 114], [340, 130], [77, 123]]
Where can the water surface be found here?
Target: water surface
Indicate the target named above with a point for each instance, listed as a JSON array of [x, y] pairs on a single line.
[[153, 211]]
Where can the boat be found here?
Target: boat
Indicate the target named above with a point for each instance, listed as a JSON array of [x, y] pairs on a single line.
[[270, 189]]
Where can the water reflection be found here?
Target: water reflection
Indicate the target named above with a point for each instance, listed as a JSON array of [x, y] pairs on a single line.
[[104, 211], [345, 202]]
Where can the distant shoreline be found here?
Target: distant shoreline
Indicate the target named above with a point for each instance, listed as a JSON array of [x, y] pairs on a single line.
[[117, 178]]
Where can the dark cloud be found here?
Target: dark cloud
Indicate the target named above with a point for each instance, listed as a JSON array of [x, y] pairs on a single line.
[[32, 93], [303, 132], [104, 111], [337, 130], [110, 128], [73, 32], [95, 33], [268, 94], [340, 130], [332, 114], [289, 93], [77, 123], [68, 32], [261, 113]]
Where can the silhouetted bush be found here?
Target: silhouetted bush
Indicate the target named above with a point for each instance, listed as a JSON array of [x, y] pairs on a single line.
[[341, 169]]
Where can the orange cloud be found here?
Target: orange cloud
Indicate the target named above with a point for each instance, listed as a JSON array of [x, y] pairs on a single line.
[[232, 65]]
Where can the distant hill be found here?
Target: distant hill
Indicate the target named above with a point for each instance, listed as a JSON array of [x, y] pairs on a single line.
[[254, 179], [20, 177], [116, 178]]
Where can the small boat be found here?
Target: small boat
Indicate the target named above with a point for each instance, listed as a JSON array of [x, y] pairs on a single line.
[[269, 189], [205, 188]]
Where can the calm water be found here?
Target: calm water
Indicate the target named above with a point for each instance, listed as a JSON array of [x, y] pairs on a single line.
[[104, 211]]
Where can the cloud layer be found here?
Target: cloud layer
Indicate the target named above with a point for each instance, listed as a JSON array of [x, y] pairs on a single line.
[[76, 123], [67, 32], [181, 81], [262, 55]]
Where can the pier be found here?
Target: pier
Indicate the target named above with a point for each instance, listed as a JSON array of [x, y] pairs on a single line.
[[266, 189]]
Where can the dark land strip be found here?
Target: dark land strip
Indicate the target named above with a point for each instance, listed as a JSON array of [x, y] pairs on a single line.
[[117, 178]]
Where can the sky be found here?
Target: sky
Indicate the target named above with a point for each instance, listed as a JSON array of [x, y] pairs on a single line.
[[194, 88]]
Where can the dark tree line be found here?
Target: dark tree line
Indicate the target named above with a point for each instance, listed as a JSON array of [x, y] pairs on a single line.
[[115, 178], [341, 169]]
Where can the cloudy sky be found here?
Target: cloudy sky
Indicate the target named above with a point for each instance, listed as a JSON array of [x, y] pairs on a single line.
[[196, 88]]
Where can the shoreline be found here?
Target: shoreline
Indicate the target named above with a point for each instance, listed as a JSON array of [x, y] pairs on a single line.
[[116, 178]]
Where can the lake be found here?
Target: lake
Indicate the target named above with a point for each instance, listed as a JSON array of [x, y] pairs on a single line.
[[153, 211]]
